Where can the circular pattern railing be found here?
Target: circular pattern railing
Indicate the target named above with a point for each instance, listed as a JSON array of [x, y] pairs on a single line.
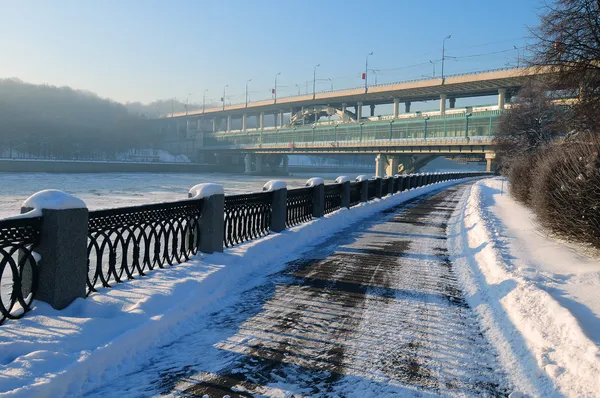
[[354, 193], [299, 207], [18, 266], [130, 241], [247, 217], [333, 197]]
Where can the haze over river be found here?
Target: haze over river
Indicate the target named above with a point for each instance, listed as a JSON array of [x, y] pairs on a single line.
[[106, 190]]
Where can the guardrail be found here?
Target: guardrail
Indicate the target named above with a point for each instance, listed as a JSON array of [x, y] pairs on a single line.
[[70, 253]]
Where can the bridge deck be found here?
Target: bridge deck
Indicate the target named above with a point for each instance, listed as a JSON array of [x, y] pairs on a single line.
[[374, 311]]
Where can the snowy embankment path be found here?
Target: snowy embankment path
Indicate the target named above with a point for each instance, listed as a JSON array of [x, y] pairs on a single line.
[[538, 298], [116, 331]]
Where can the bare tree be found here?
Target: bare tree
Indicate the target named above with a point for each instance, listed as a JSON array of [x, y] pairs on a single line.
[[568, 42]]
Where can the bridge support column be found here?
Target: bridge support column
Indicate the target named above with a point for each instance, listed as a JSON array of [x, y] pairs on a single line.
[[380, 165], [344, 105], [396, 107], [286, 162], [259, 163], [228, 123], [280, 118], [407, 107], [244, 118], [501, 97], [358, 111], [392, 165], [372, 110], [198, 125], [443, 98], [248, 163], [490, 159], [214, 125], [452, 103]]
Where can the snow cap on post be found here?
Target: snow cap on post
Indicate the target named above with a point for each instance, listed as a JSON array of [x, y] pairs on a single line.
[[274, 185], [53, 199], [362, 178], [315, 181], [205, 191], [342, 179]]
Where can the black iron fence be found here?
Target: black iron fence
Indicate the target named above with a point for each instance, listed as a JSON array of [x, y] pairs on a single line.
[[18, 266], [299, 207], [354, 193], [129, 241], [247, 217], [125, 243], [333, 198]]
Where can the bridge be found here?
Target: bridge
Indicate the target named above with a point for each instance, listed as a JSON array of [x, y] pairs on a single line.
[[333, 122]]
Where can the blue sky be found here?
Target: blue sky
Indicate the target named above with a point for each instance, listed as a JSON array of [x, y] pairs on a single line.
[[142, 50]]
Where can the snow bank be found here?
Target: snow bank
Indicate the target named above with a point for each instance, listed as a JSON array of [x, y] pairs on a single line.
[[205, 190], [71, 352], [540, 343], [274, 185], [362, 178], [53, 199], [315, 181], [342, 179]]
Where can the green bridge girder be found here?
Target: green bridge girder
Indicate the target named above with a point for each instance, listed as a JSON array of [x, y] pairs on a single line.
[[477, 124]]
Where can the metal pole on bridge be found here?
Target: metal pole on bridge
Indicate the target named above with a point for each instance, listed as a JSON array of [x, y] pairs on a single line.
[[444, 53]]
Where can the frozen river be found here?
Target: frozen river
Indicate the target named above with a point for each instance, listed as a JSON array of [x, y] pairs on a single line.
[[107, 190]]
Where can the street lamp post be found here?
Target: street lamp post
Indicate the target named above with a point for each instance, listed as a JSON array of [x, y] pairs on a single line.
[[315, 79], [186, 103], [298, 87], [367, 71], [518, 57], [433, 64], [444, 52], [375, 73], [330, 81], [275, 89], [223, 99], [247, 81], [204, 101]]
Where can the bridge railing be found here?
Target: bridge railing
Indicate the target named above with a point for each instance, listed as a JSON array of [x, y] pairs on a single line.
[[104, 247]]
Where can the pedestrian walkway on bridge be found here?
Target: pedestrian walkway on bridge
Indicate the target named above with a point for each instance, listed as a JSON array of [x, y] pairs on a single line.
[[374, 311]]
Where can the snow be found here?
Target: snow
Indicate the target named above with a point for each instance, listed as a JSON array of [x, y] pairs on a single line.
[[274, 185], [537, 297], [315, 181], [362, 178], [205, 190], [342, 179], [73, 351], [53, 199]]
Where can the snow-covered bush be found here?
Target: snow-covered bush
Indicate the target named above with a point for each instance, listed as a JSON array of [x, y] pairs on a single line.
[[519, 175], [565, 190]]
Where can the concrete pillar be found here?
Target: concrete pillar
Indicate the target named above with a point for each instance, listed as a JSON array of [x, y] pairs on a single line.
[[359, 111], [187, 128], [372, 110], [396, 107], [452, 103], [490, 159], [392, 165], [344, 105], [198, 124], [407, 107], [501, 97], [378, 187], [62, 275], [380, 163], [443, 98], [258, 162], [228, 123], [248, 163], [212, 225], [286, 162], [280, 118], [279, 210], [244, 117], [214, 125], [345, 194]]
